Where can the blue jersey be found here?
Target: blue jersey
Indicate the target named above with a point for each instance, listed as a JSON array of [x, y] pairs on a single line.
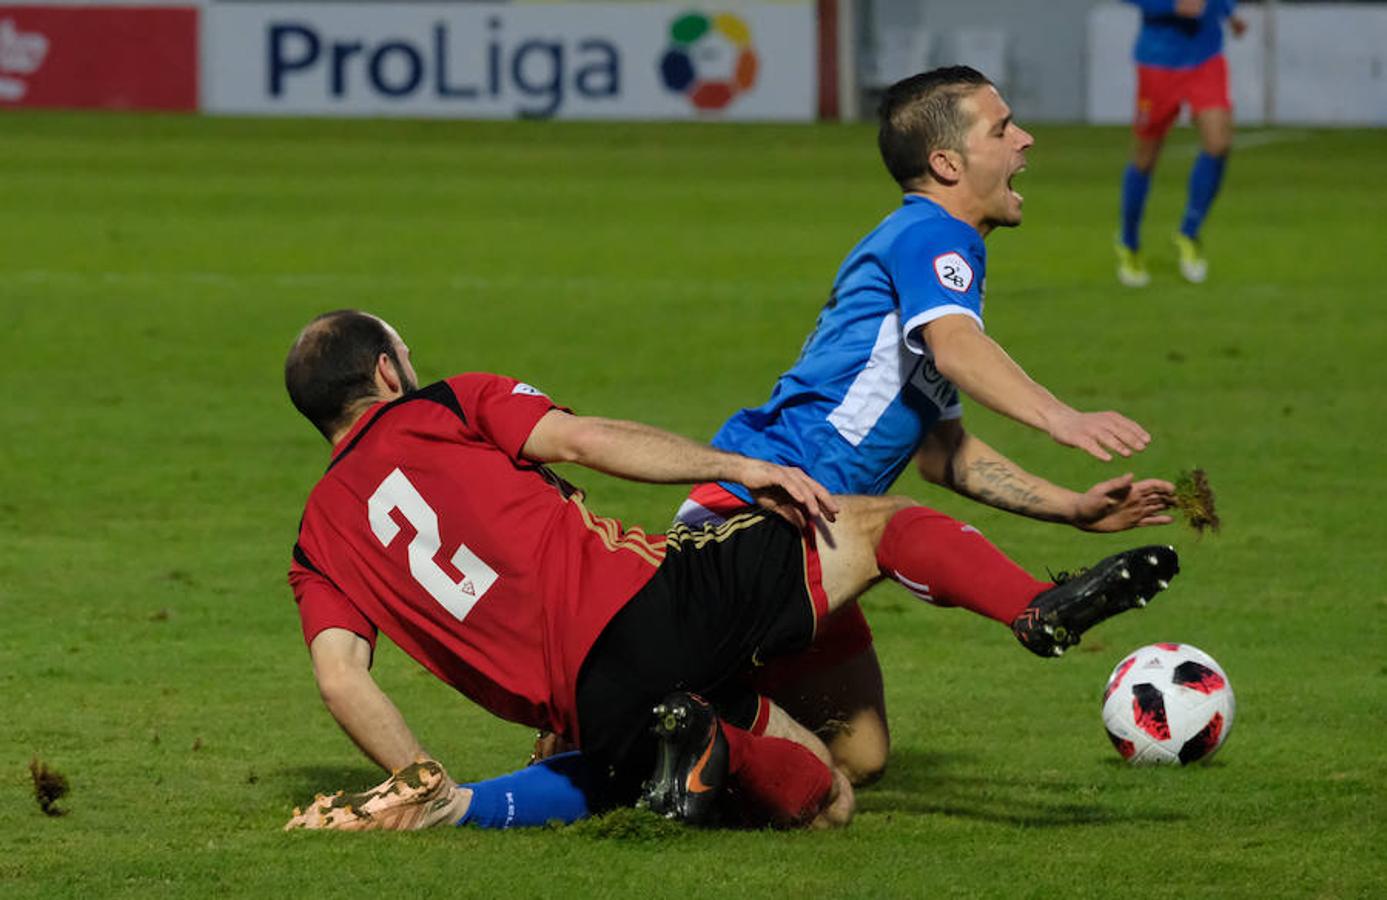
[[1178, 42], [864, 392]]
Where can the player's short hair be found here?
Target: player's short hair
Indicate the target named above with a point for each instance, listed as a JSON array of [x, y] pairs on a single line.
[[331, 367], [921, 114]]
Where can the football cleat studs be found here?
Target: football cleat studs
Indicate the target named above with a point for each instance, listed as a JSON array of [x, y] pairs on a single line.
[[1057, 617]]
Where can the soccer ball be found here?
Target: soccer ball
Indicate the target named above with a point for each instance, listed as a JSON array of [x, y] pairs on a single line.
[[1168, 704]]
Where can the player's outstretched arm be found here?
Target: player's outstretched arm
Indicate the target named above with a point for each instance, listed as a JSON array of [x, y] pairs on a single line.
[[980, 368], [953, 458], [644, 453]]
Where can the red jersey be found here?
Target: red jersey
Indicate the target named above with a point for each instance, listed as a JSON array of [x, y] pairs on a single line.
[[483, 566]]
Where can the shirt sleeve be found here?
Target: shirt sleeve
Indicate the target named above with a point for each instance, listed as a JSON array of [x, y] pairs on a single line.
[[501, 409], [1155, 7], [323, 606], [953, 407], [937, 269]]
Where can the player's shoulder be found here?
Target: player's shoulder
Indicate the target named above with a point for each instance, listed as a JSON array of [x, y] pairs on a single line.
[[481, 382]]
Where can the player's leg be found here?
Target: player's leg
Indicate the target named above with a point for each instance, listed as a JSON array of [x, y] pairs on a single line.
[[844, 703], [1157, 105], [943, 561], [777, 773], [834, 688], [837, 810], [724, 598], [556, 788], [934, 556], [1213, 117]]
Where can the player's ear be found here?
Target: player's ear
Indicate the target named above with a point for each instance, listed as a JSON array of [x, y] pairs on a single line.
[[387, 377], [946, 165]]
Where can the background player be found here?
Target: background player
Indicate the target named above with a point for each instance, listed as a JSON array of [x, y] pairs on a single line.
[[1179, 57], [437, 523]]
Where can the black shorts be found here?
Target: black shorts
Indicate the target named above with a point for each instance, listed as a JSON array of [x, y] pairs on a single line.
[[726, 599]]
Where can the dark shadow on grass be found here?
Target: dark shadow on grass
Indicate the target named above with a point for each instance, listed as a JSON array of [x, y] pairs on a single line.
[[305, 781], [923, 783]]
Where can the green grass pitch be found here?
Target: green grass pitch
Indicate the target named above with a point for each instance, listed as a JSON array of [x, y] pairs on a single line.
[[154, 270]]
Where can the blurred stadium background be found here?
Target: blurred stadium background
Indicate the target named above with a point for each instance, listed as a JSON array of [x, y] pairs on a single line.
[[1322, 63]]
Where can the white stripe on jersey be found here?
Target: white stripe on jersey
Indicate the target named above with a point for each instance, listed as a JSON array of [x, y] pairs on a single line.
[[914, 342], [696, 515], [879, 383]]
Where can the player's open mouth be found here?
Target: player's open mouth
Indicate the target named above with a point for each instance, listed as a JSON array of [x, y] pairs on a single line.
[[1010, 178]]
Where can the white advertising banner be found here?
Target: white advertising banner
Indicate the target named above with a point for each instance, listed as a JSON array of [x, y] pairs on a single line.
[[744, 61]]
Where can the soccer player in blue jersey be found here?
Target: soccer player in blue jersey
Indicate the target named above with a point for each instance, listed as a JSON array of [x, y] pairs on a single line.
[[878, 386], [1179, 56]]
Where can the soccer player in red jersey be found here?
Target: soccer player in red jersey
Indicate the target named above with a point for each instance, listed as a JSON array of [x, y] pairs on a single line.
[[438, 524]]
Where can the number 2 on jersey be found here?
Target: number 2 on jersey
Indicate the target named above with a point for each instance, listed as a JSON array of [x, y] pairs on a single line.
[[456, 596]]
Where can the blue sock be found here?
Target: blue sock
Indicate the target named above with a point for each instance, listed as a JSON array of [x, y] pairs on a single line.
[[554, 789], [1135, 184], [1205, 178]]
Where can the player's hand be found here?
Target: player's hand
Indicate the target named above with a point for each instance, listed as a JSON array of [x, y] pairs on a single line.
[[787, 491], [1122, 503], [1190, 9], [1238, 24], [1097, 433]]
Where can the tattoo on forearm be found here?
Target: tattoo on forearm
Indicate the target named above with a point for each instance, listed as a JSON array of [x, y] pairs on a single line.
[[997, 484]]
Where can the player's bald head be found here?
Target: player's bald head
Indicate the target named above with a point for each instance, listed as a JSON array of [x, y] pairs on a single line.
[[330, 369], [924, 113]]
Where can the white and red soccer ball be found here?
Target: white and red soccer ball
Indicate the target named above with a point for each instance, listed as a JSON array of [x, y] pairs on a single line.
[[1168, 704]]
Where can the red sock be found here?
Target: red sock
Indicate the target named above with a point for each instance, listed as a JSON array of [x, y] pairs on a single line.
[[948, 563], [783, 782]]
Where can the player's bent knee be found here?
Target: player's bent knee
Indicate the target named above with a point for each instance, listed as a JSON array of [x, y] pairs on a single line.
[[864, 771], [862, 754], [859, 740]]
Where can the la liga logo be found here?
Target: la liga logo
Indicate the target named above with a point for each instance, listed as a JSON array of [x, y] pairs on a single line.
[[710, 59]]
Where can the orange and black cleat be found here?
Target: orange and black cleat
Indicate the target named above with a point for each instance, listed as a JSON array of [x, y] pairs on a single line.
[[691, 765]]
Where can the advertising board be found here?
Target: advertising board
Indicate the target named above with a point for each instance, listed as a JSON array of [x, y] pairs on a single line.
[[111, 57], [533, 60]]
